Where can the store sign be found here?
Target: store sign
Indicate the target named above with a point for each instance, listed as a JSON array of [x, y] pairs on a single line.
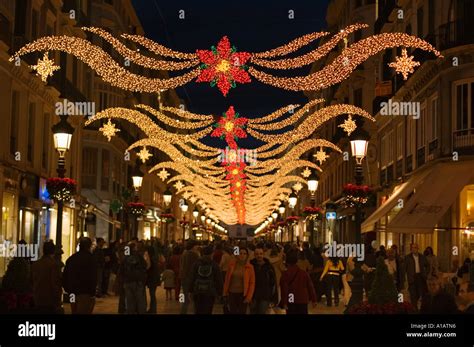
[[43, 194], [331, 215]]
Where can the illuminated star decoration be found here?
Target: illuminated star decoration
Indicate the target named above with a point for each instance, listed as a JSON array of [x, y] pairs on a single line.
[[223, 66], [282, 197], [230, 127], [45, 67], [405, 64], [179, 185], [109, 130], [192, 199], [321, 156], [144, 154], [297, 186], [306, 173], [348, 126], [163, 174], [186, 195]]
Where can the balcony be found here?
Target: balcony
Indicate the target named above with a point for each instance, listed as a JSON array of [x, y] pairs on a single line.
[[463, 141], [420, 156], [399, 168], [452, 34], [409, 163]]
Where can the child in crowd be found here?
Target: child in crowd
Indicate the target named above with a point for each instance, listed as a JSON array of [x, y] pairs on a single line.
[[168, 278]]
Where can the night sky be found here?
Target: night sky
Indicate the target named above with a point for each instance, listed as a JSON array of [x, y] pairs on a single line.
[[251, 26]]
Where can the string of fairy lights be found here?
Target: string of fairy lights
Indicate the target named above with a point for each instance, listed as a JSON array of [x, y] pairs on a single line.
[[225, 184]]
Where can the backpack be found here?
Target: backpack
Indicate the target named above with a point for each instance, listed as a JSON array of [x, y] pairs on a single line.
[[134, 269], [204, 283]]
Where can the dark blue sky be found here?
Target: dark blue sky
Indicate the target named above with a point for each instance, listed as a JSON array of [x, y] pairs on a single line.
[[251, 26]]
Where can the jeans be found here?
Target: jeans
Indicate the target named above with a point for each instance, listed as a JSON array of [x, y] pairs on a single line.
[[185, 305], [297, 309], [203, 304], [236, 303], [152, 291], [135, 298], [259, 306], [84, 304], [332, 284]]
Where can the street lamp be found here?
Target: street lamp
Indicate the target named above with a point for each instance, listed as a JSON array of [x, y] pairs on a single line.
[[281, 208], [195, 213], [137, 177], [274, 215], [184, 207], [167, 197], [313, 181], [62, 134], [203, 218], [292, 200], [359, 142]]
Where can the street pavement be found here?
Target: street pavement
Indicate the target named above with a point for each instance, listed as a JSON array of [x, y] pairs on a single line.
[[109, 305]]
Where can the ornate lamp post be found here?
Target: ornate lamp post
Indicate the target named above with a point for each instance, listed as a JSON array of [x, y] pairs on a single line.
[[137, 179], [62, 134], [359, 142], [313, 182], [184, 209]]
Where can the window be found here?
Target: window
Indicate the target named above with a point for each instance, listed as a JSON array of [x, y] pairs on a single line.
[[400, 137], [421, 128], [411, 135], [433, 120], [463, 107], [31, 132], [104, 185], [46, 134], [14, 122], [431, 16], [89, 167], [419, 22], [34, 24]]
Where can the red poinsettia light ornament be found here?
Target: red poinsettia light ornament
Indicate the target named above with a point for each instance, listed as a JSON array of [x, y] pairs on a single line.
[[230, 127], [223, 66]]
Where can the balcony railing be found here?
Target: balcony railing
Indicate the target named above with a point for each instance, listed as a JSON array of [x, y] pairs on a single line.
[[452, 34], [463, 140]]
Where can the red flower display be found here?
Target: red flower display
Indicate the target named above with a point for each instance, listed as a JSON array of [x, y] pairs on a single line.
[[136, 208], [167, 217], [61, 189], [356, 194], [223, 66], [315, 212], [230, 127], [291, 220]]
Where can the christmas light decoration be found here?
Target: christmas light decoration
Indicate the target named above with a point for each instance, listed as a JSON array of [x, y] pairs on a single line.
[[224, 66], [404, 65], [348, 126], [45, 67], [306, 173], [163, 174], [320, 156], [144, 155], [230, 126], [109, 130]]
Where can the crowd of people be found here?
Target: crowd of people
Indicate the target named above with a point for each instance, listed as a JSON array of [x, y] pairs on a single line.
[[240, 276]]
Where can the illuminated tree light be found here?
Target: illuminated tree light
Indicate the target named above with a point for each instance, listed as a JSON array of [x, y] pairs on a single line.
[[348, 126], [404, 65], [109, 130], [144, 155], [176, 123], [320, 156]]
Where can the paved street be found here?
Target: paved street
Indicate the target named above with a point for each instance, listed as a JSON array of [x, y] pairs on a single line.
[[109, 305]]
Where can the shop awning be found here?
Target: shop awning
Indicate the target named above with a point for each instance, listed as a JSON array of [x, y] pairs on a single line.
[[402, 191], [432, 198]]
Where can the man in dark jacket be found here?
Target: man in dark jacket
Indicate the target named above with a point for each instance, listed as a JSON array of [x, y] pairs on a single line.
[[133, 270], [188, 260], [296, 287], [80, 278], [437, 300], [46, 275], [265, 283], [206, 282], [416, 269]]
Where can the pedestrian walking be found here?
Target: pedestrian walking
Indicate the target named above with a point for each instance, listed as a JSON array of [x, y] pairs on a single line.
[[265, 292], [332, 271], [134, 270], [188, 260], [152, 278], [416, 270], [80, 278], [169, 281]]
